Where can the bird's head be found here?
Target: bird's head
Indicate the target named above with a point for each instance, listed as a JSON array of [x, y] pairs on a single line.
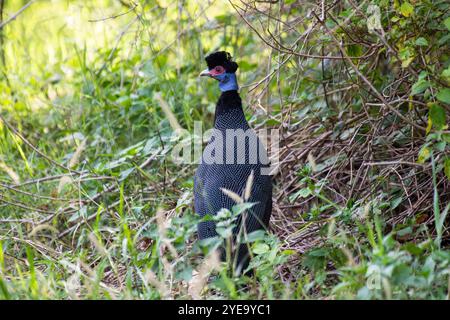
[[222, 68]]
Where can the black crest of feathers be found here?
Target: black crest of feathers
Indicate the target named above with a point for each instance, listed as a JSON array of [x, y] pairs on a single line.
[[221, 58]]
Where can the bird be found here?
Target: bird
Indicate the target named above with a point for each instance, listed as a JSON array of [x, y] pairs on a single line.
[[232, 161]]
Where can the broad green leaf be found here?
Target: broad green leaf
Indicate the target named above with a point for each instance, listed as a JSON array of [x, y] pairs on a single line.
[[422, 42], [437, 115], [446, 74], [440, 146], [419, 87], [304, 193], [255, 235], [404, 231], [260, 248], [406, 9], [412, 248], [223, 215], [407, 56], [447, 23], [444, 95], [224, 232]]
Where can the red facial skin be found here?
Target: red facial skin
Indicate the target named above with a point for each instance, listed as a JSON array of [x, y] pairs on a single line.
[[218, 70]]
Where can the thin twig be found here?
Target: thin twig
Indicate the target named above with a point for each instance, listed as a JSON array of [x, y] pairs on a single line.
[[15, 15]]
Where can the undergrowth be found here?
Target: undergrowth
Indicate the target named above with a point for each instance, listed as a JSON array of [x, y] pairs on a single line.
[[92, 206]]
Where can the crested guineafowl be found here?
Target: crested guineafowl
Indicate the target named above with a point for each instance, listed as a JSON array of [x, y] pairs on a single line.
[[232, 160]]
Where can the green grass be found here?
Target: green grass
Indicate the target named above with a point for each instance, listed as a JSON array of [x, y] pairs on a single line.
[[93, 207]]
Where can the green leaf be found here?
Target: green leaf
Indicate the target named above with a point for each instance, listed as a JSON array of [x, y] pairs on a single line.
[[407, 56], [241, 207], [354, 50], [224, 18], [446, 137], [185, 274], [404, 231], [424, 154], [437, 115], [447, 167], [412, 248], [447, 23], [224, 232], [396, 202], [422, 42], [444, 39], [255, 236], [302, 193], [406, 9], [446, 74], [419, 87], [316, 259], [288, 252], [260, 248], [440, 146], [407, 62], [444, 95]]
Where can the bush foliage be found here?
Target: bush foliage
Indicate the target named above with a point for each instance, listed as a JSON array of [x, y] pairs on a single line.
[[92, 205]]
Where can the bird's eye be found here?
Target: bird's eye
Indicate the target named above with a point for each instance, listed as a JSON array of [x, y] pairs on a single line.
[[219, 69]]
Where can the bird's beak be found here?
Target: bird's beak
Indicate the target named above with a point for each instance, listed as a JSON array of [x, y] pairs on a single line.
[[205, 73]]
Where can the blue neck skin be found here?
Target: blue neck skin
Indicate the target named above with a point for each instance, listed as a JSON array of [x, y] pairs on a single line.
[[227, 82]]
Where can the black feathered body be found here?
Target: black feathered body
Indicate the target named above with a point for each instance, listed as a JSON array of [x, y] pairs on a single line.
[[210, 178]]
